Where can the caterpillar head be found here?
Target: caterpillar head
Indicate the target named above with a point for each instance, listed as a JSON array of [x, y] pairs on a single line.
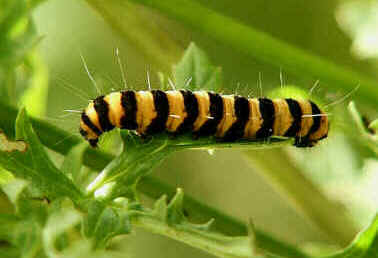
[[89, 125]]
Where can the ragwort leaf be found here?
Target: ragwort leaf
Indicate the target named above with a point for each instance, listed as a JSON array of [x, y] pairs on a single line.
[[35, 165], [104, 222], [194, 71], [73, 161]]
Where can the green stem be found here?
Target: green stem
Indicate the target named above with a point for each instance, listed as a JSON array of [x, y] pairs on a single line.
[[127, 19], [304, 195], [368, 138], [266, 48], [218, 245], [52, 136]]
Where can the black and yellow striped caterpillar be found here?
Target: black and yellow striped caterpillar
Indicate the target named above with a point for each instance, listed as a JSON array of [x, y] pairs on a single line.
[[227, 117]]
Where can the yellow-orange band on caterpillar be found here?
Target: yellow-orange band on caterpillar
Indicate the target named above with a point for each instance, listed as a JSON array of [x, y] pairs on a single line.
[[93, 116], [145, 110], [115, 108], [177, 113], [283, 118], [229, 116], [255, 119], [306, 117], [203, 109]]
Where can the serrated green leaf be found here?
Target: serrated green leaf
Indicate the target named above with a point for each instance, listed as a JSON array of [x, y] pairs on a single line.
[[160, 208], [215, 81], [109, 224], [35, 165], [365, 245], [137, 159], [72, 163], [111, 142], [175, 214], [194, 71], [104, 222], [211, 242], [204, 226], [95, 209], [141, 155]]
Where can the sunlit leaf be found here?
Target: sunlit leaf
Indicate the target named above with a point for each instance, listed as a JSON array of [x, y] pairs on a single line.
[[195, 71], [35, 165], [104, 222], [34, 98], [73, 161], [136, 160], [175, 214], [95, 209], [160, 208]]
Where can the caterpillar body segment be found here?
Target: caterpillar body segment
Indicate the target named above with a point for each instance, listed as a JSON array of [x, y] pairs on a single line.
[[227, 117]]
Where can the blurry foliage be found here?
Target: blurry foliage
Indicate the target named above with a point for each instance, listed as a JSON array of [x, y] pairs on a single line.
[[360, 20], [20, 65], [71, 210]]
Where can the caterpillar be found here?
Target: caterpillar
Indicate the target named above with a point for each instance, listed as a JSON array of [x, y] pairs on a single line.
[[227, 117]]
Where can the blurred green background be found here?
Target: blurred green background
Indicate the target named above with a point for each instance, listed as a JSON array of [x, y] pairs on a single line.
[[244, 184]]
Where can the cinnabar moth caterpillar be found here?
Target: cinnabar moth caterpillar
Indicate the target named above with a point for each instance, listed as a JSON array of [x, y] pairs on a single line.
[[227, 117]]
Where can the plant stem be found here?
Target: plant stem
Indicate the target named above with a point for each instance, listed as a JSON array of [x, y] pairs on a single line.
[[128, 20], [215, 244], [52, 136], [266, 48], [303, 195], [368, 138]]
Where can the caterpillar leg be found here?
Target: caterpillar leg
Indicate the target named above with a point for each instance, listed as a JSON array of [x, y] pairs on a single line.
[[93, 142], [304, 142]]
